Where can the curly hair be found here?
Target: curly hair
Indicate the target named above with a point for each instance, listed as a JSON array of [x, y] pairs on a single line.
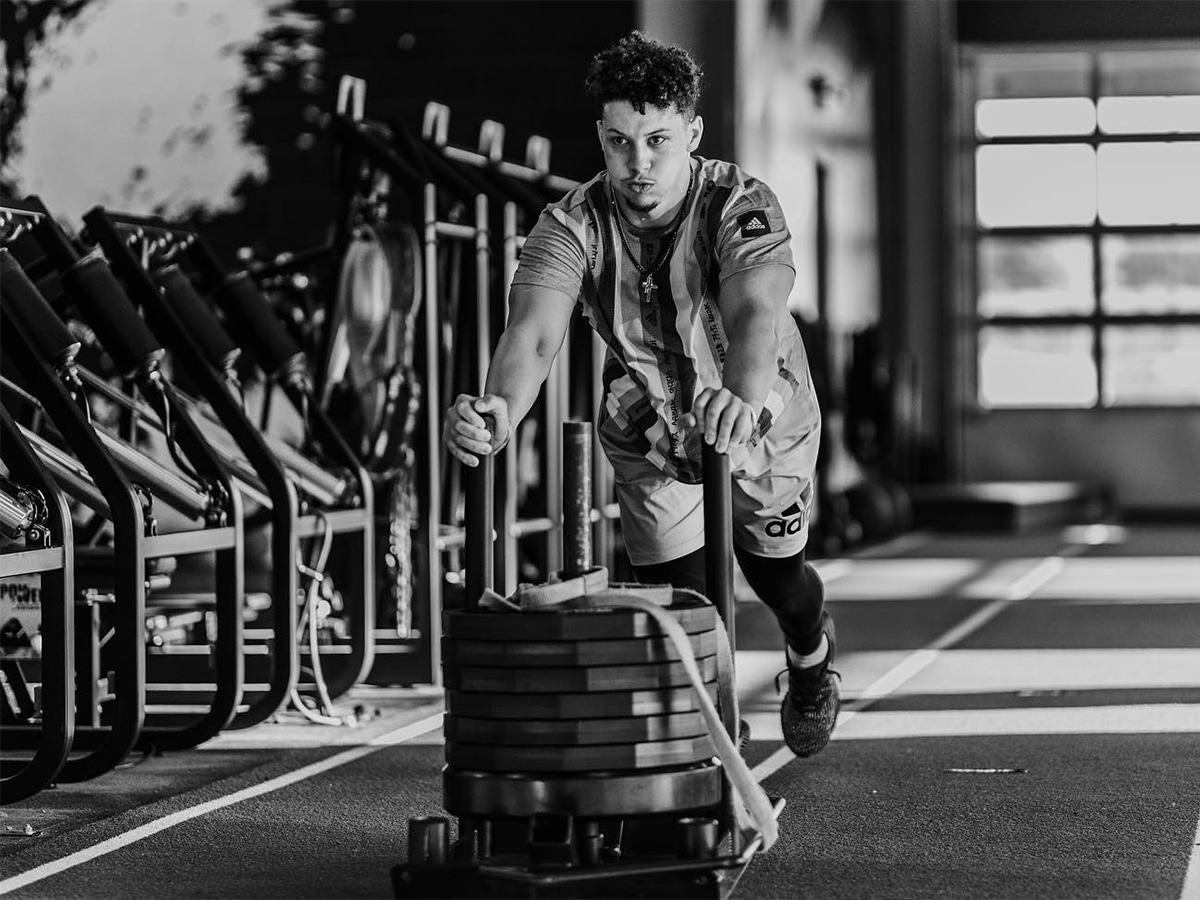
[[644, 71]]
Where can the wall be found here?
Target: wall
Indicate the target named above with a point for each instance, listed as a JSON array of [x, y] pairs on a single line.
[[785, 128], [705, 29], [1149, 458]]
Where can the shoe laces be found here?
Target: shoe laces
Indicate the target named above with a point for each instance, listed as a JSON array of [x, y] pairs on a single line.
[[787, 670]]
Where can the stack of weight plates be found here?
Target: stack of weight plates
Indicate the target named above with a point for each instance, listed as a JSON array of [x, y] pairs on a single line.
[[588, 713]]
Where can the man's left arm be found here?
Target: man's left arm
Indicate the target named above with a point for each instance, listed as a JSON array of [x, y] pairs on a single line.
[[753, 301]]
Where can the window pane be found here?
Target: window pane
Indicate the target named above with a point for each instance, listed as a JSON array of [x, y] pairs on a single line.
[[1039, 116], [1038, 184], [1149, 184], [1036, 74], [1157, 364], [1149, 72], [1147, 115], [1036, 367], [1151, 274], [1035, 276]]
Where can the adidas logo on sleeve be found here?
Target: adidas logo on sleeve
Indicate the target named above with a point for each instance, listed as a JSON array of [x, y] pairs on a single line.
[[754, 223]]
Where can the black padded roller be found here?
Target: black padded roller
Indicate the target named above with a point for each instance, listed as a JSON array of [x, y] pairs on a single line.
[[255, 324], [197, 318], [52, 341], [103, 302]]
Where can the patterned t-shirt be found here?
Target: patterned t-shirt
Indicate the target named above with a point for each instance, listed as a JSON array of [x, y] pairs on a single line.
[[663, 350]]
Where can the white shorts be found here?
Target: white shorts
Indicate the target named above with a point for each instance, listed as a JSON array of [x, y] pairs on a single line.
[[663, 519]]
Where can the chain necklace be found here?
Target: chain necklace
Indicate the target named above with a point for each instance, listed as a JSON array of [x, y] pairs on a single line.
[[649, 288]]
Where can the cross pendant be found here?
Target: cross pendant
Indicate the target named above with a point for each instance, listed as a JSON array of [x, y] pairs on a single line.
[[648, 289]]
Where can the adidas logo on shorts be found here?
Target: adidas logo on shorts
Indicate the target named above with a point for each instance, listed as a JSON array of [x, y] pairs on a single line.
[[791, 521]]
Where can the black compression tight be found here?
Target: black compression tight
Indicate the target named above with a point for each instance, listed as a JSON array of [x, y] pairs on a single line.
[[789, 585]]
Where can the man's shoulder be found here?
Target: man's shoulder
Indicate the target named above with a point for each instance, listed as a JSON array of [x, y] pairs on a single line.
[[726, 174], [575, 202]]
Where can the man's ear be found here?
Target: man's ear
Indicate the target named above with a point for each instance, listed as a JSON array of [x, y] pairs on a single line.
[[600, 131], [695, 132]]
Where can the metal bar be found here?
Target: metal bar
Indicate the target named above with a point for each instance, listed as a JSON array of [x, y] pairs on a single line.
[[452, 230], [182, 543], [16, 514], [602, 475], [1092, 138], [176, 490], [69, 472], [431, 310], [26, 562], [577, 498], [480, 513], [508, 559], [337, 521], [718, 535]]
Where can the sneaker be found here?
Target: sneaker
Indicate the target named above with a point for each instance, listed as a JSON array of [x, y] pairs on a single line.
[[810, 707], [743, 740]]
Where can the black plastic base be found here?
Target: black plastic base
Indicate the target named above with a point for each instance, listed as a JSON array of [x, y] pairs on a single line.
[[467, 881]]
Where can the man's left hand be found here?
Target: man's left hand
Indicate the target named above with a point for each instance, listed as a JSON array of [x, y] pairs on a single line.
[[727, 420]]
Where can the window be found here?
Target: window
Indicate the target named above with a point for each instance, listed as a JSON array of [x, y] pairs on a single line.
[[1085, 181]]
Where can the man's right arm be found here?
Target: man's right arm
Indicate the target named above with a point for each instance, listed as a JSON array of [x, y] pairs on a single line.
[[547, 282], [537, 325]]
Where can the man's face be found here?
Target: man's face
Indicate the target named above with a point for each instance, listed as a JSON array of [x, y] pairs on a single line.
[[648, 154]]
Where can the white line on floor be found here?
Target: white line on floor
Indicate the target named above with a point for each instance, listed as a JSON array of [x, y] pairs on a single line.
[[1191, 878], [1024, 587], [412, 730]]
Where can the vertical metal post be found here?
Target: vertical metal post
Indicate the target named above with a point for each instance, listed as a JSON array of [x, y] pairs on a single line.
[[718, 575], [718, 534], [480, 506], [577, 498], [506, 569], [602, 475], [433, 434]]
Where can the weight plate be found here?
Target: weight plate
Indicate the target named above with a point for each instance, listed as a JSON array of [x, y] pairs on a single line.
[[510, 732], [692, 788], [572, 625], [588, 652], [607, 704], [566, 758], [555, 679]]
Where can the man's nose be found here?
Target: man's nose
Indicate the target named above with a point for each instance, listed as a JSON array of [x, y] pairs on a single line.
[[639, 158]]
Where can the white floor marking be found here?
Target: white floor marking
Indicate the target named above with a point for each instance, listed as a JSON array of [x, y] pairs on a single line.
[[150, 829], [1151, 718], [1191, 878], [1022, 588]]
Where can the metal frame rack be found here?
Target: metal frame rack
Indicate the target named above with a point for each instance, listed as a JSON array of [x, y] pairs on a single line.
[[119, 481], [331, 499], [35, 516]]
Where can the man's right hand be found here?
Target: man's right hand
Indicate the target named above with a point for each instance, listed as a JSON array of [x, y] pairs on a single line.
[[468, 435]]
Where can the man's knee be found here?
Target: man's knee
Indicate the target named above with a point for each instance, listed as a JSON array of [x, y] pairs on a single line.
[[781, 581]]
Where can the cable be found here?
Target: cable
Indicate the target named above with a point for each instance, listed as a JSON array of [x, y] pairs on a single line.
[[316, 575]]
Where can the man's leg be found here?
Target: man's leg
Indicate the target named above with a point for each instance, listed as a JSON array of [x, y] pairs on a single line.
[[685, 572], [794, 592]]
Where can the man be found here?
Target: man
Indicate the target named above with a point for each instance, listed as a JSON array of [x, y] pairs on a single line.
[[682, 265]]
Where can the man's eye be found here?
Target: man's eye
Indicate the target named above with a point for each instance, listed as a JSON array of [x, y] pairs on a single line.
[[657, 140], [616, 141]]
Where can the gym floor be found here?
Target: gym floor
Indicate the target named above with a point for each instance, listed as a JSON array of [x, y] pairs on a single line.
[[1021, 718]]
